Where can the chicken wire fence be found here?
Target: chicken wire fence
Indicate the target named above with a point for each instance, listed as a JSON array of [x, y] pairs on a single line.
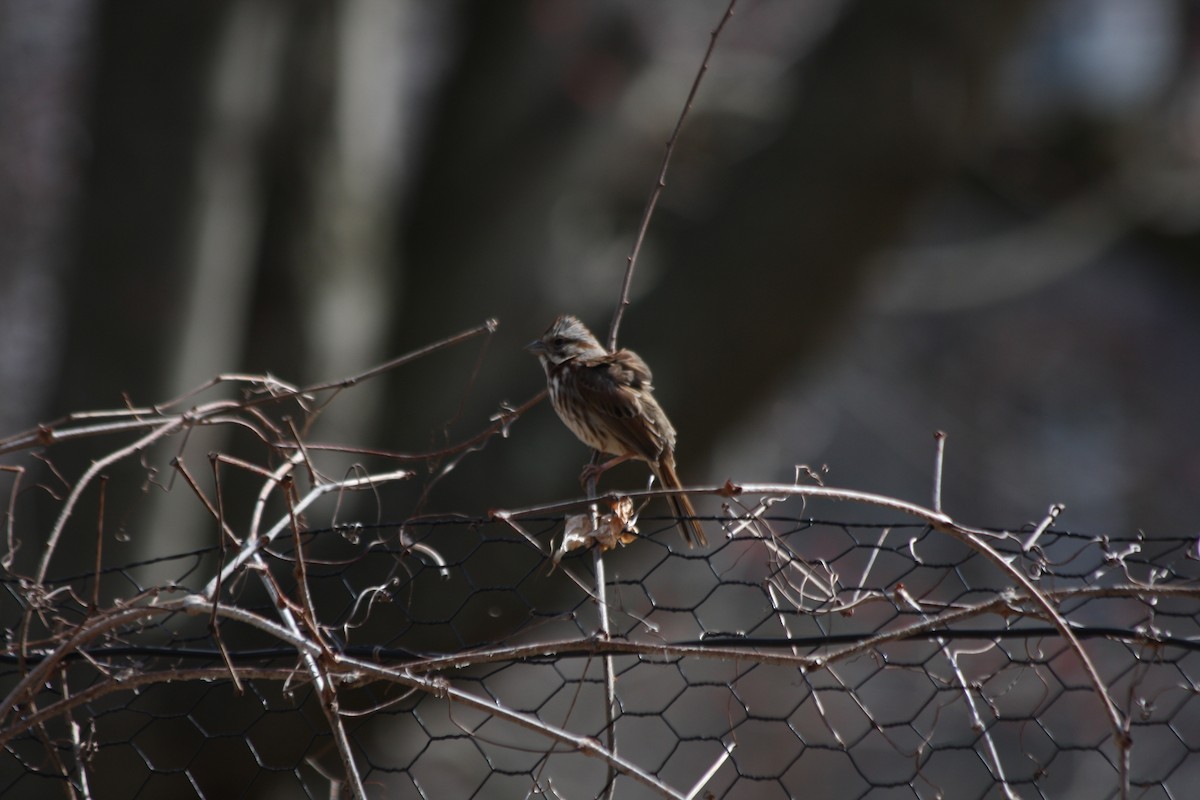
[[927, 674], [299, 654]]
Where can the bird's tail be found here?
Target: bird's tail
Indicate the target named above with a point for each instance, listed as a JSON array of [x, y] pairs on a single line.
[[681, 506]]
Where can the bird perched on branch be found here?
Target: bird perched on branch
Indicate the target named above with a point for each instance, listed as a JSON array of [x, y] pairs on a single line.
[[607, 402]]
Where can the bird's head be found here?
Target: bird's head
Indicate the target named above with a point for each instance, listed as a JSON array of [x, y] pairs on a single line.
[[565, 339]]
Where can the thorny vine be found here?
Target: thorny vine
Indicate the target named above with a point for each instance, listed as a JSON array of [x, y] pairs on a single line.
[[266, 589]]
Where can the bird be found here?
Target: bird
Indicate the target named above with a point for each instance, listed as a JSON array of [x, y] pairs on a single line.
[[606, 400]]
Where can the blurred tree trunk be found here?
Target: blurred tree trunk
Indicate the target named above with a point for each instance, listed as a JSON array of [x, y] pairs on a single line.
[[729, 300], [132, 262], [272, 189], [244, 180], [44, 58], [888, 104]]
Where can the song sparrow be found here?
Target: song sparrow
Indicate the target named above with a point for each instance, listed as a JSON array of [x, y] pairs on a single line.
[[607, 401]]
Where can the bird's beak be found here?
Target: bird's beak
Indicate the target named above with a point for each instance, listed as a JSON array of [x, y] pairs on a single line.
[[537, 347]]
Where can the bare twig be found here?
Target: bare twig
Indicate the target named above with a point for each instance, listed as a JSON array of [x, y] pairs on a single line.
[[99, 543], [1042, 527], [501, 421], [488, 326], [317, 667], [10, 514], [610, 676], [214, 625], [96, 625], [155, 417], [730, 489], [163, 430], [253, 542], [939, 455], [661, 182], [308, 612], [968, 693], [215, 510], [702, 781]]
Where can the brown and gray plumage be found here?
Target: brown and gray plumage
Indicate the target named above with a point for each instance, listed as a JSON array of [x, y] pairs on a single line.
[[607, 401]]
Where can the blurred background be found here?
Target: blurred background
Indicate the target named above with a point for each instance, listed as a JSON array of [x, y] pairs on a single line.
[[882, 220]]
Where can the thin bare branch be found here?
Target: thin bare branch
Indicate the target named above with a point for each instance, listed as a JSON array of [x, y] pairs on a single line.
[[661, 182], [939, 456]]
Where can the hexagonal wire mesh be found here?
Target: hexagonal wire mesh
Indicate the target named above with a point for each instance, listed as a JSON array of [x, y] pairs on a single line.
[[794, 658]]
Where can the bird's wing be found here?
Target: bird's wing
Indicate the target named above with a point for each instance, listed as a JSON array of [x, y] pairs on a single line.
[[618, 387]]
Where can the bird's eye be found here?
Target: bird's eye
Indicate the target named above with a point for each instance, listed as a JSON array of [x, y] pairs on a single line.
[[559, 341]]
